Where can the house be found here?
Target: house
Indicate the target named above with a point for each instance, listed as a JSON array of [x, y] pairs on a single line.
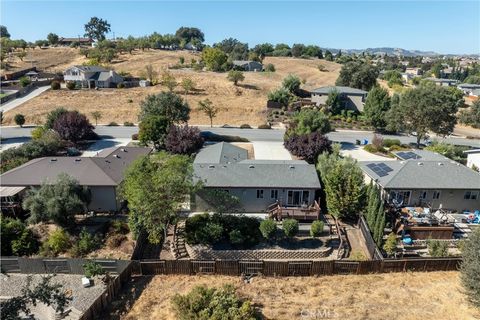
[[69, 41], [422, 178], [443, 82], [92, 77], [102, 174], [352, 98], [475, 93], [414, 71], [406, 77], [473, 158], [468, 88], [288, 186], [246, 65]]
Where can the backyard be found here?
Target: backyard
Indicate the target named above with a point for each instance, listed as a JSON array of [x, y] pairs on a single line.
[[380, 296]]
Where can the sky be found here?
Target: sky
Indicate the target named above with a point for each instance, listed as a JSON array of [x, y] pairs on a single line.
[[440, 26]]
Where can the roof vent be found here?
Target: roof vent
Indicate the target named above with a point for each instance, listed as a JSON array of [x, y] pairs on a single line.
[[123, 150], [291, 167], [116, 156], [211, 166], [420, 163], [53, 160], [251, 166], [107, 161], [440, 164], [78, 160]]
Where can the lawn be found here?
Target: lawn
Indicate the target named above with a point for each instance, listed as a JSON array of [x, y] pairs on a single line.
[[245, 103], [409, 296]]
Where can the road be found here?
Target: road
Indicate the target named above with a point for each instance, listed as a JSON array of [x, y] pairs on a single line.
[[16, 102], [347, 136]]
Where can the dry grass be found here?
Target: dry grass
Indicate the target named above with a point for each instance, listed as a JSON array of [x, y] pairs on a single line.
[[411, 296], [238, 104]]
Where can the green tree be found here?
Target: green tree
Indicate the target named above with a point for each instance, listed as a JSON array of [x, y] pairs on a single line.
[[268, 228], [290, 227], [155, 187], [390, 245], [235, 76], [52, 116], [19, 119], [96, 29], [52, 39], [470, 268], [209, 109], [96, 115], [169, 81], [328, 55], [334, 102], [153, 129], [151, 74], [280, 95], [342, 181], [379, 225], [24, 81], [187, 85], [471, 116], [190, 34], [167, 105], [425, 108], [57, 202], [291, 83], [357, 74], [307, 121], [317, 228], [4, 32], [214, 59], [376, 107]]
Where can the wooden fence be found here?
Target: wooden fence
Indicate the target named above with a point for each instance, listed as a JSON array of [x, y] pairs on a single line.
[[295, 268], [373, 250]]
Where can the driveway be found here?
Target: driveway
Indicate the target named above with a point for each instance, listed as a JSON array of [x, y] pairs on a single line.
[[357, 152], [270, 150], [100, 145], [16, 102]]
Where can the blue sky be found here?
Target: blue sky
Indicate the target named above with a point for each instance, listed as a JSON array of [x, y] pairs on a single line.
[[441, 26]]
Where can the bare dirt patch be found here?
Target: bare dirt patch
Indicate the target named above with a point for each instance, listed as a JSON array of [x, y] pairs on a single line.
[[242, 104], [435, 295]]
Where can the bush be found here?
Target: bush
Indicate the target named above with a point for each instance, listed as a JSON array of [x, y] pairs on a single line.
[[112, 124], [370, 148], [130, 101], [265, 126], [16, 239], [120, 85], [212, 303], [115, 240], [183, 140], [135, 136], [24, 81], [85, 244], [291, 83], [55, 85], [470, 268], [280, 95], [290, 227], [74, 126], [58, 241], [92, 269], [437, 248], [119, 226], [19, 119], [317, 228], [388, 143], [268, 228], [236, 237], [38, 133], [390, 245], [245, 126], [26, 244], [71, 85], [270, 67], [308, 121], [128, 124], [308, 146]]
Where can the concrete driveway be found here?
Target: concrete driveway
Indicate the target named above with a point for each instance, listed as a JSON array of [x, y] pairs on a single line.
[[357, 152], [16, 102], [270, 150], [104, 144]]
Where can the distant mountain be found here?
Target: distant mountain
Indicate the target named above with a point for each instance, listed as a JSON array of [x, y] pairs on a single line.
[[389, 51]]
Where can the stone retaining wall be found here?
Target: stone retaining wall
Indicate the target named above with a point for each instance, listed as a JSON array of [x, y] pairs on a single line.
[[209, 254]]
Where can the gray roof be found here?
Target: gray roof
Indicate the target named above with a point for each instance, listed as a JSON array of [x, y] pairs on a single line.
[[344, 90], [418, 174], [476, 92], [442, 80], [423, 155], [469, 85], [243, 62], [225, 165], [221, 152], [90, 68], [105, 170]]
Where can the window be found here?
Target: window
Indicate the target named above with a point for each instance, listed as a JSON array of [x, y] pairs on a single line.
[[436, 195], [470, 195], [423, 195], [274, 194], [297, 197], [259, 194], [401, 197]]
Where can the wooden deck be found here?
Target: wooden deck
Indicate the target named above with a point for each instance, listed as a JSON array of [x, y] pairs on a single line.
[[299, 213]]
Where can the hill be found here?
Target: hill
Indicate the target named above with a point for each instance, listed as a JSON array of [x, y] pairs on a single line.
[[245, 103]]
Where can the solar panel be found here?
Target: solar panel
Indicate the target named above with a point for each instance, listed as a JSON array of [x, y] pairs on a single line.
[[408, 155], [385, 167]]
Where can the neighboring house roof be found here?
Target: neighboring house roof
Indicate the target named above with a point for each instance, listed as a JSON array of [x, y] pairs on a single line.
[[105, 170], [339, 89], [62, 39], [243, 62], [89, 68], [472, 151], [469, 86], [476, 92], [424, 155], [442, 80], [418, 174], [224, 165], [221, 152]]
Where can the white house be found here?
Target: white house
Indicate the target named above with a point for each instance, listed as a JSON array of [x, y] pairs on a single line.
[[473, 158], [92, 77]]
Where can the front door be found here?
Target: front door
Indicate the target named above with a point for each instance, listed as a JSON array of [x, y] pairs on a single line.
[[92, 84]]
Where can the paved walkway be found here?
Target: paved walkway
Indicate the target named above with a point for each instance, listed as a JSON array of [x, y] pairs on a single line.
[[359, 154], [17, 102], [100, 145], [270, 150]]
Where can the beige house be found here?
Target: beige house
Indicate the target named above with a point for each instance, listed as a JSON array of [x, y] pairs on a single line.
[[92, 77], [351, 98]]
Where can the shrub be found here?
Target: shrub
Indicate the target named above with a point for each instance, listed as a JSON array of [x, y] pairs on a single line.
[[112, 124], [119, 226], [270, 67], [291, 83], [308, 146], [290, 227], [115, 240], [16, 239], [135, 136], [390, 245], [24, 81], [370, 148], [265, 126], [74, 126], [212, 303], [437, 248], [245, 126], [38, 133], [120, 85], [85, 244], [70, 85], [235, 76], [19, 119], [183, 140], [236, 237], [388, 143], [280, 95], [268, 228], [357, 255], [58, 241], [54, 115], [317, 228], [309, 121], [128, 124], [130, 101], [55, 85], [92, 269], [470, 268]]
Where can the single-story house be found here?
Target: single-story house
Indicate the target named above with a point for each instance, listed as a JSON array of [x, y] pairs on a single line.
[[352, 98], [468, 88], [258, 184], [414, 71], [92, 77], [473, 158], [102, 174], [247, 65], [69, 41], [443, 82], [422, 178]]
